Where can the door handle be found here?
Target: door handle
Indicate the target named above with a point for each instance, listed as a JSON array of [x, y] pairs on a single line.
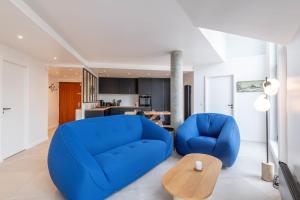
[[230, 105], [5, 109]]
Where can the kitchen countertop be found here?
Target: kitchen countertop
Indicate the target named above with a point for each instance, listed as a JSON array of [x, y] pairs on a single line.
[[109, 107]]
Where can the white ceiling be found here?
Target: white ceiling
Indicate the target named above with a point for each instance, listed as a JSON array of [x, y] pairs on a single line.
[[130, 73], [65, 72], [36, 42], [269, 20], [72, 73], [139, 32]]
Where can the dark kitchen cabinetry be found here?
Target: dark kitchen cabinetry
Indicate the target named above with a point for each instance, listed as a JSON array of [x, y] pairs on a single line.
[[158, 89], [127, 86], [145, 86], [108, 85], [167, 94], [158, 94], [117, 86]]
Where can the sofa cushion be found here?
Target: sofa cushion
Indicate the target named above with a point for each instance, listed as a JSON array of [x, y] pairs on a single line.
[[211, 124], [128, 162], [102, 134], [202, 144]]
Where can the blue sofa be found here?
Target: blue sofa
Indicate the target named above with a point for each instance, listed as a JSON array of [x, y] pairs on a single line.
[[92, 158], [209, 133]]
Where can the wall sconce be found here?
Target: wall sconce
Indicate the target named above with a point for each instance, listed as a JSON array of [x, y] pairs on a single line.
[[53, 87]]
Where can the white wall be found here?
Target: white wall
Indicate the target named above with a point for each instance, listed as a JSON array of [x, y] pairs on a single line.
[[37, 98], [293, 104], [251, 123], [53, 105], [53, 99]]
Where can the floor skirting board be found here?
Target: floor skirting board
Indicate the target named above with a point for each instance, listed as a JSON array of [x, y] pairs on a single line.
[[36, 142]]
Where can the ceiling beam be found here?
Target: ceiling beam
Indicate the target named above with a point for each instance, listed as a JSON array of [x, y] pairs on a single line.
[[33, 16], [135, 66]]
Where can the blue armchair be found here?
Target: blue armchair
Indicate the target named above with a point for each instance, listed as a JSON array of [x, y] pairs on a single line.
[[209, 133]]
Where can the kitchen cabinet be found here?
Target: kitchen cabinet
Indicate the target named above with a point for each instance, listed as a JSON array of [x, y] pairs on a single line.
[[145, 86], [127, 86], [117, 85], [157, 95], [159, 89], [94, 113], [167, 94], [108, 85], [112, 111]]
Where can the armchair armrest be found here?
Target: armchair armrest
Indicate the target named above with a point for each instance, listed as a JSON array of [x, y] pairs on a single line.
[[184, 133], [228, 142], [188, 129]]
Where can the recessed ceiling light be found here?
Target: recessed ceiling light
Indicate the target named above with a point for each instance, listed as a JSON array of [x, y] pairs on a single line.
[[20, 37], [55, 58], [57, 72]]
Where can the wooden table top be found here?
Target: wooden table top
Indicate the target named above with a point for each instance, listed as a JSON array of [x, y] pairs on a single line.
[[183, 182], [157, 113]]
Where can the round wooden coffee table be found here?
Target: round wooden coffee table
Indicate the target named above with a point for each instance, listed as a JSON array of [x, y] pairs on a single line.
[[184, 183]]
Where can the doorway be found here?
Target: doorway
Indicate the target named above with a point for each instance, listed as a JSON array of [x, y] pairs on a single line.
[[13, 108], [69, 100], [219, 94]]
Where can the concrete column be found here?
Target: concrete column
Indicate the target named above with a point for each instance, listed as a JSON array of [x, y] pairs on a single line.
[[177, 117]]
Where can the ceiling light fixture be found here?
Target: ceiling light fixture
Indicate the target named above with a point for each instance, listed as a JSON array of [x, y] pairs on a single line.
[[55, 58], [20, 37]]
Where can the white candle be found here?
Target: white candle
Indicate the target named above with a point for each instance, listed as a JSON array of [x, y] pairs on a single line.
[[198, 165]]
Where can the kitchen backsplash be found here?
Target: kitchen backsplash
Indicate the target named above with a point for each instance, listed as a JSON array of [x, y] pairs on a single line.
[[127, 99]]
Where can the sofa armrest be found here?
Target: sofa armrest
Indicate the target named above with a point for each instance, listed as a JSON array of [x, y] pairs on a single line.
[[154, 132], [71, 164]]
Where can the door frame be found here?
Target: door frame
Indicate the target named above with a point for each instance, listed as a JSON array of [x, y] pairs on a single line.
[[26, 103], [1, 116], [206, 79], [81, 97]]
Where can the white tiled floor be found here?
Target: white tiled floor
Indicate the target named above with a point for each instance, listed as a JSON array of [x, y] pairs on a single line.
[[25, 177]]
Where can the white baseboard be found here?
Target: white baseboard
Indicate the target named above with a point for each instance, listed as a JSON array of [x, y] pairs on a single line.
[[36, 142], [53, 126]]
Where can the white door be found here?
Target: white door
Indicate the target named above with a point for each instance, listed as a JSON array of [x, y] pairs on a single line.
[[13, 109], [219, 94]]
